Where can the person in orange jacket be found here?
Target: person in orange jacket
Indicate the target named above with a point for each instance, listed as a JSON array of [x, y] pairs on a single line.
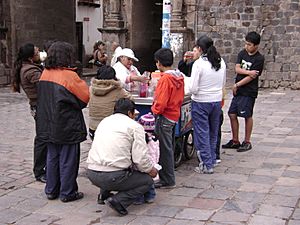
[[168, 98]]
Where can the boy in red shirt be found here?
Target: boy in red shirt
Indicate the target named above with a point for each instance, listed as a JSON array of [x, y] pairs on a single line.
[[168, 98]]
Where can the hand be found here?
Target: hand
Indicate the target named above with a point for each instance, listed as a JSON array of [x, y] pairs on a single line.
[[234, 89], [144, 79], [187, 55], [153, 172], [253, 73]]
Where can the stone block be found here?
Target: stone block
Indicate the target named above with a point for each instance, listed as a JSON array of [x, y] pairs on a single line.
[[249, 10], [257, 2], [290, 29], [285, 68], [246, 24], [244, 16], [296, 21], [294, 6]]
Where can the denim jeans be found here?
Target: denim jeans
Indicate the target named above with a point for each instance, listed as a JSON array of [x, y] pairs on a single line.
[[165, 131], [206, 121], [39, 151], [150, 194], [219, 135]]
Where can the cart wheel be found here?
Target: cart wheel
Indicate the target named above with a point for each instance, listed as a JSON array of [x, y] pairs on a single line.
[[188, 145], [178, 152]]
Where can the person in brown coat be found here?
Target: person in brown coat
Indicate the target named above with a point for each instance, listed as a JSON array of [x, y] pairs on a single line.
[[27, 75], [105, 90]]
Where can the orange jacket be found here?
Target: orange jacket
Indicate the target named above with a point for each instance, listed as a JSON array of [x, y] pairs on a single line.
[[169, 94]]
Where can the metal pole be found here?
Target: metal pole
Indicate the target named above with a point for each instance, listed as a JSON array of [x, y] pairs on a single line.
[[166, 24]]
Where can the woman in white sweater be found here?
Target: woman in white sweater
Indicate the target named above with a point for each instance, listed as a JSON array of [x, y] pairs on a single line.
[[208, 78]]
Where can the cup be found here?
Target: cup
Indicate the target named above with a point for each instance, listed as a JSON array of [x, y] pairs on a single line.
[[143, 90]]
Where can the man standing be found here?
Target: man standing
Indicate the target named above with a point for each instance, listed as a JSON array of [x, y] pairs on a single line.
[[120, 142], [248, 67]]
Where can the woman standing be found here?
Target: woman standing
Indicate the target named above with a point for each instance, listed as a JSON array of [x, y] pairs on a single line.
[[126, 72], [207, 81], [61, 97], [27, 75]]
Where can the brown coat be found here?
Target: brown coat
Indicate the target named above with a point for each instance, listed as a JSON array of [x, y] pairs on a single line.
[[103, 95], [30, 75]]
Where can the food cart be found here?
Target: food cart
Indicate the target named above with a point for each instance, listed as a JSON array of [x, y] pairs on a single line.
[[184, 145]]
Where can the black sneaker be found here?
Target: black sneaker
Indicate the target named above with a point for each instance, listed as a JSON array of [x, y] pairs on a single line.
[[74, 197], [102, 197], [232, 144], [246, 146]]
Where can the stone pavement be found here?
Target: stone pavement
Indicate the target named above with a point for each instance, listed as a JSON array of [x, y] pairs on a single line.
[[259, 187]]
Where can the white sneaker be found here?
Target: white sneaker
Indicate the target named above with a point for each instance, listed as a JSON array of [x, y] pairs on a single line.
[[203, 170]]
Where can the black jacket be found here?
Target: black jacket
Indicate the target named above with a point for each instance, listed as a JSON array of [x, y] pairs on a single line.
[[61, 97], [185, 67]]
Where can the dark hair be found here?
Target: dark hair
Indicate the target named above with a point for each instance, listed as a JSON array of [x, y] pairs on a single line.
[[207, 46], [253, 38], [25, 52], [60, 55], [98, 43], [47, 44], [124, 105], [106, 73], [164, 56]]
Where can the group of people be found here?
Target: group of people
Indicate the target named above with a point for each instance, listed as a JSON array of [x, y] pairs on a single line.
[[56, 96], [118, 161]]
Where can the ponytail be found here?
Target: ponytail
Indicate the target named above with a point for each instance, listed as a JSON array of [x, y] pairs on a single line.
[[25, 52], [17, 77], [214, 57], [208, 49]]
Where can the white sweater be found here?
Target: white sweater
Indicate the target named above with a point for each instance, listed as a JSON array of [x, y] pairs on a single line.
[[122, 73], [119, 141], [206, 83]]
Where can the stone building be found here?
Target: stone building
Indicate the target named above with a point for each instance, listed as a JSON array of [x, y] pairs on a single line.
[[33, 21], [137, 23]]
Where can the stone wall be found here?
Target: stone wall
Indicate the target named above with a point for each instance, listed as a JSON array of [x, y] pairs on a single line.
[[35, 21], [278, 21]]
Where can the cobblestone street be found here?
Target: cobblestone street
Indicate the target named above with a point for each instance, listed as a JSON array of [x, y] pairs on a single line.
[[258, 187]]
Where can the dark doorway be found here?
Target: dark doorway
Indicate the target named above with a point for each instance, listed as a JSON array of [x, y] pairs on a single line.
[[79, 41], [146, 31]]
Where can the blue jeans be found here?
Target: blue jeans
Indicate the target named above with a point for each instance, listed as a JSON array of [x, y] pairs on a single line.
[[206, 121], [165, 131], [148, 195]]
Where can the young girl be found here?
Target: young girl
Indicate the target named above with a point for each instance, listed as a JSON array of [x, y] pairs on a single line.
[[148, 122]]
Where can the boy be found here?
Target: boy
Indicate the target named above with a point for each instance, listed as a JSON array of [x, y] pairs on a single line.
[[168, 98], [248, 67]]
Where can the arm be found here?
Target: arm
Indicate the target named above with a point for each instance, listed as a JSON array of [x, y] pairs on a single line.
[[80, 89], [33, 75], [195, 78], [251, 73], [135, 75], [161, 96], [242, 82], [102, 57], [139, 151]]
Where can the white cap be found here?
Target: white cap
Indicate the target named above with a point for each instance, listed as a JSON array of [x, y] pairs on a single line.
[[128, 53]]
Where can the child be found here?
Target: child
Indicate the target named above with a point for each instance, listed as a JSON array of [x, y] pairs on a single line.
[[248, 67], [168, 98], [148, 122]]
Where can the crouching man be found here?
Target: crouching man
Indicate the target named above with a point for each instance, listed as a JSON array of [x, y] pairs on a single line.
[[120, 142]]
